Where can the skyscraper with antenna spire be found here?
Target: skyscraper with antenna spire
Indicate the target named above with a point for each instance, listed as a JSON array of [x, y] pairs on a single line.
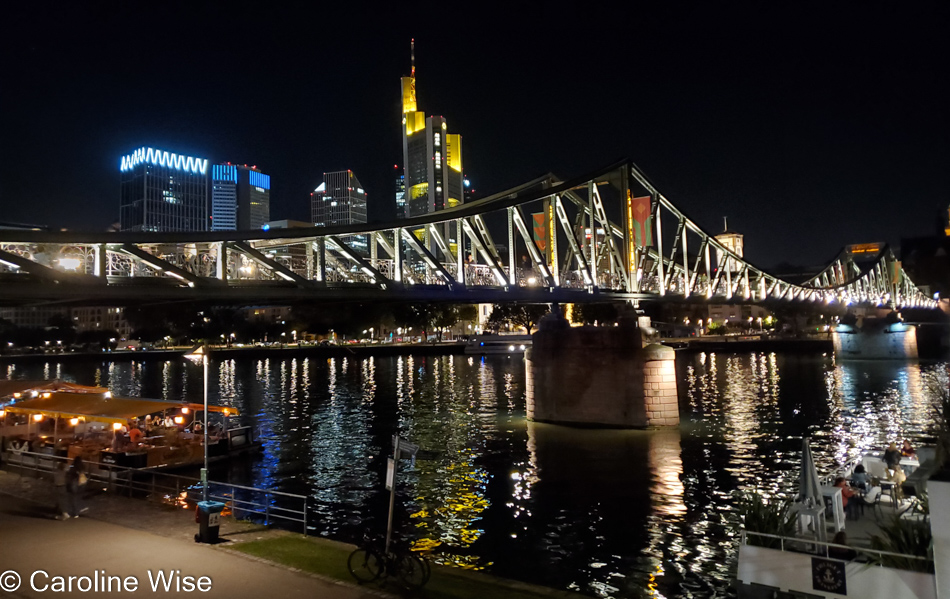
[[432, 157]]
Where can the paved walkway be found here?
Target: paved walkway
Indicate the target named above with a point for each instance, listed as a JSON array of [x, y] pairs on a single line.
[[31, 539]]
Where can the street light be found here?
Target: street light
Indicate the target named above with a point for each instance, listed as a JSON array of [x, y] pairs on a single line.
[[195, 355]]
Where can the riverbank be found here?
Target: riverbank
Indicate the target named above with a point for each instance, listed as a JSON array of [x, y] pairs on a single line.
[[135, 537], [734, 344], [328, 351]]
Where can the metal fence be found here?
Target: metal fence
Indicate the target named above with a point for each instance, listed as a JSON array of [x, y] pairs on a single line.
[[243, 503], [825, 549]]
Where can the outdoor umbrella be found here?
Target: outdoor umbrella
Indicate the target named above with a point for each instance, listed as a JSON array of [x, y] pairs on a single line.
[[809, 489], [812, 511]]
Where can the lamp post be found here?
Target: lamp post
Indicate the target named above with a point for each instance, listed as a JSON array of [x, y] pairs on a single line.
[[196, 354]]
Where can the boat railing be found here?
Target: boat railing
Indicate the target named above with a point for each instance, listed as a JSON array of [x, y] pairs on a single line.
[[823, 548], [243, 502]]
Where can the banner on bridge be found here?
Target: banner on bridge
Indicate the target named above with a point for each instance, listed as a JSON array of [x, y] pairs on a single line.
[[641, 220]]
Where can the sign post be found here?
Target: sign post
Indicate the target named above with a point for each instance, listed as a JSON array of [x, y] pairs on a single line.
[[401, 448]]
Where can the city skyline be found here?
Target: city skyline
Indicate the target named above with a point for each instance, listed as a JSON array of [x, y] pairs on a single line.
[[805, 146]]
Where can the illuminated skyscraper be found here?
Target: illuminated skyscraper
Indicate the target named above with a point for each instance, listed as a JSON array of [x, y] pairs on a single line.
[[161, 191], [240, 197], [432, 157], [400, 194], [339, 200]]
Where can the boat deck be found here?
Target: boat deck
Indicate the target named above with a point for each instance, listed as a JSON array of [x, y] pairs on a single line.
[[871, 517]]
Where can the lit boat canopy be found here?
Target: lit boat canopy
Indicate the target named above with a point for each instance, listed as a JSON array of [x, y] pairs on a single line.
[[100, 407]]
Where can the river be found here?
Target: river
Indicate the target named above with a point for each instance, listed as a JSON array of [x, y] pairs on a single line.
[[597, 511]]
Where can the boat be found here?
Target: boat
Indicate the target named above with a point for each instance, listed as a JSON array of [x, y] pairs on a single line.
[[69, 420], [811, 564], [497, 344]]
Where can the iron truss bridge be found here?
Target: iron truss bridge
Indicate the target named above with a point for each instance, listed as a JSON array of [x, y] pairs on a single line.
[[608, 235]]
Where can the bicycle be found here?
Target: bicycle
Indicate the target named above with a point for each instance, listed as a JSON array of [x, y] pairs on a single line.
[[370, 562]]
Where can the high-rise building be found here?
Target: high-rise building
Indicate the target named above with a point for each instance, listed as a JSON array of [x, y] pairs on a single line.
[[339, 200], [240, 197], [432, 157], [162, 191], [400, 193]]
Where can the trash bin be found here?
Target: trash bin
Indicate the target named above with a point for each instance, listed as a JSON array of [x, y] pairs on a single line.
[[208, 515]]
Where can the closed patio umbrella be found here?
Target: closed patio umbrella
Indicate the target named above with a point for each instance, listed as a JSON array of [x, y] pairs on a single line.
[[811, 512], [809, 489]]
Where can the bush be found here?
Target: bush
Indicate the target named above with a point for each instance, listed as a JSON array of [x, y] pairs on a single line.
[[907, 537], [757, 514]]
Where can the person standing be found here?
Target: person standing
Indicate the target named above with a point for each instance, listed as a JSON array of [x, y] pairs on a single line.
[[75, 483], [59, 487], [892, 457]]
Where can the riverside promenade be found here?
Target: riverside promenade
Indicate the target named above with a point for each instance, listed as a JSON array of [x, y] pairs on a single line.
[[152, 542], [132, 538]]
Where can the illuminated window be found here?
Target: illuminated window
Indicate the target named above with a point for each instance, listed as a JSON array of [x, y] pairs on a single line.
[[438, 139]]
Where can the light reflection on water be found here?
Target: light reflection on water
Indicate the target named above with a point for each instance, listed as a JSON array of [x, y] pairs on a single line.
[[593, 510]]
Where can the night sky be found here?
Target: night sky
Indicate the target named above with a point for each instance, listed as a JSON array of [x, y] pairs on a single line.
[[809, 130]]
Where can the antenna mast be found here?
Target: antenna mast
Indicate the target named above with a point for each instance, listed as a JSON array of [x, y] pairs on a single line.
[[412, 56]]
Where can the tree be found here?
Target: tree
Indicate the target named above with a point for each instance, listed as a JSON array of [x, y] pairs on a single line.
[[525, 316], [602, 313]]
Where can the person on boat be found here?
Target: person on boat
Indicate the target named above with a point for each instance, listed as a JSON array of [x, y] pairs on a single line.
[[846, 493], [907, 450], [196, 427], [135, 435], [892, 457], [896, 475], [118, 441], [75, 481], [859, 478], [843, 553]]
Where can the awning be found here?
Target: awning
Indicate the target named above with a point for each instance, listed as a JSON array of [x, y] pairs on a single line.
[[10, 388], [100, 408]]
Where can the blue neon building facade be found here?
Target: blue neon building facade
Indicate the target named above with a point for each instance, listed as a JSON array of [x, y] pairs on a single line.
[[163, 191], [240, 197]]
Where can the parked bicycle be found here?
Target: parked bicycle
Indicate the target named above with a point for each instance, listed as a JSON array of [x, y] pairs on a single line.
[[370, 562]]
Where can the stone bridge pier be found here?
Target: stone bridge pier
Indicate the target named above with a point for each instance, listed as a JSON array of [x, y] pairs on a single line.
[[600, 376]]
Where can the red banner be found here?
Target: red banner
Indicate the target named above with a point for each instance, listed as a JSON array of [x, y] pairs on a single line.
[[642, 217], [540, 232]]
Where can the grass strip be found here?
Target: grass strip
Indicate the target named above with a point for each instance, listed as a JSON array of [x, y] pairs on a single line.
[[329, 559]]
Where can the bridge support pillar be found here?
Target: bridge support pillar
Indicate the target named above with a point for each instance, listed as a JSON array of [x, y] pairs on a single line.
[[600, 376]]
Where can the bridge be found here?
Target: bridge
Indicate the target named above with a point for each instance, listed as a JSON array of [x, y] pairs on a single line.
[[606, 235]]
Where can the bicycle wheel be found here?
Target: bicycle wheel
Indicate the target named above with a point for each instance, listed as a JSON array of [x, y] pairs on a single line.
[[365, 565], [427, 567], [412, 571]]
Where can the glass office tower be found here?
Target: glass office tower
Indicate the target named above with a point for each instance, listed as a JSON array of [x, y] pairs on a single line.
[[163, 191]]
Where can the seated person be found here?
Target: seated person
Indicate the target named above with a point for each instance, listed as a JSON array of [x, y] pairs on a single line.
[[907, 450], [892, 457], [896, 475], [859, 478], [846, 493], [842, 553]]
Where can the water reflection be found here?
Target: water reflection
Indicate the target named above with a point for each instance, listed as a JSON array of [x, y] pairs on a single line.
[[597, 511]]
